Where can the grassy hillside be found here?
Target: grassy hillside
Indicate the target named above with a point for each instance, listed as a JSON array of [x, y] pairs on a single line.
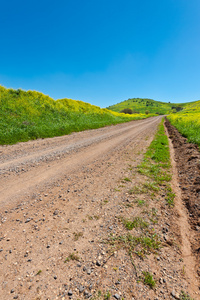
[[184, 116], [31, 115], [146, 105], [188, 121]]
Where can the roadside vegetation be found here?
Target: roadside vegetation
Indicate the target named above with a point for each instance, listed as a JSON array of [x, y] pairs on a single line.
[[148, 202], [188, 123], [30, 115], [156, 167], [138, 236]]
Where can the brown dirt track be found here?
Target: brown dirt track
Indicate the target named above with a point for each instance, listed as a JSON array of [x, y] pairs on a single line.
[[64, 196]]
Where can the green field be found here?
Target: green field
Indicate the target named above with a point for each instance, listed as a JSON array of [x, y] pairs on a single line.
[[30, 115]]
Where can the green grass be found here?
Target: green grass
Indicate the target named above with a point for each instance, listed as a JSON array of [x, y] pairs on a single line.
[[126, 179], [151, 186], [39, 272], [188, 124], [30, 115], [170, 198], [188, 121], [144, 105], [77, 235], [140, 202], [158, 151], [135, 223], [156, 167], [72, 256], [142, 245], [144, 188], [99, 295], [148, 279], [107, 296], [184, 296]]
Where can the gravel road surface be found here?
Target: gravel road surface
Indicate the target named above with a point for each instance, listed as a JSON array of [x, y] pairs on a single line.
[[63, 198]]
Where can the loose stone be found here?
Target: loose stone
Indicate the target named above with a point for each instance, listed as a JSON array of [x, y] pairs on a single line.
[[175, 295], [89, 271], [81, 289], [86, 293], [27, 220]]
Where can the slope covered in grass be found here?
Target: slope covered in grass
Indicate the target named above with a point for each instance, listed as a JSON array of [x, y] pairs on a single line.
[[31, 115], [146, 106], [188, 121]]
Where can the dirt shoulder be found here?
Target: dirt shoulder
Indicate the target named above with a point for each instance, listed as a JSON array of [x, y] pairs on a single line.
[[187, 158], [66, 238]]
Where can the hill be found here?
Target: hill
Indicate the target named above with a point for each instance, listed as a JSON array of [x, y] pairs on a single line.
[[26, 115], [144, 105], [184, 116]]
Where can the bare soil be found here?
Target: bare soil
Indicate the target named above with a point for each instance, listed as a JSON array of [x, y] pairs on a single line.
[[64, 198], [187, 157]]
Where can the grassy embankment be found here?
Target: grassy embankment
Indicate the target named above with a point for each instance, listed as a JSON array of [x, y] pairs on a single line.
[[30, 115], [188, 122]]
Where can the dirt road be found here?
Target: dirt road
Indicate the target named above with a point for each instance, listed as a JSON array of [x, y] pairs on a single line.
[[27, 166], [61, 198]]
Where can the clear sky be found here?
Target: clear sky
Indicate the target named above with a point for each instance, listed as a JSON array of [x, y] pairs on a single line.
[[102, 51]]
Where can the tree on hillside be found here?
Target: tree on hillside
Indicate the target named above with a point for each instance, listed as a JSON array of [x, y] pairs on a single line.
[[127, 111], [177, 108]]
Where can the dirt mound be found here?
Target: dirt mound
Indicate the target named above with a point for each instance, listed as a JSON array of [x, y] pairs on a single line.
[[188, 163]]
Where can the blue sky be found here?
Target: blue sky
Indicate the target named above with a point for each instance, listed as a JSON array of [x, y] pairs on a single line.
[[102, 51]]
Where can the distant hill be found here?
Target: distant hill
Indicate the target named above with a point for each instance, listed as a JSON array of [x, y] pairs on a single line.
[[144, 105], [30, 115]]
